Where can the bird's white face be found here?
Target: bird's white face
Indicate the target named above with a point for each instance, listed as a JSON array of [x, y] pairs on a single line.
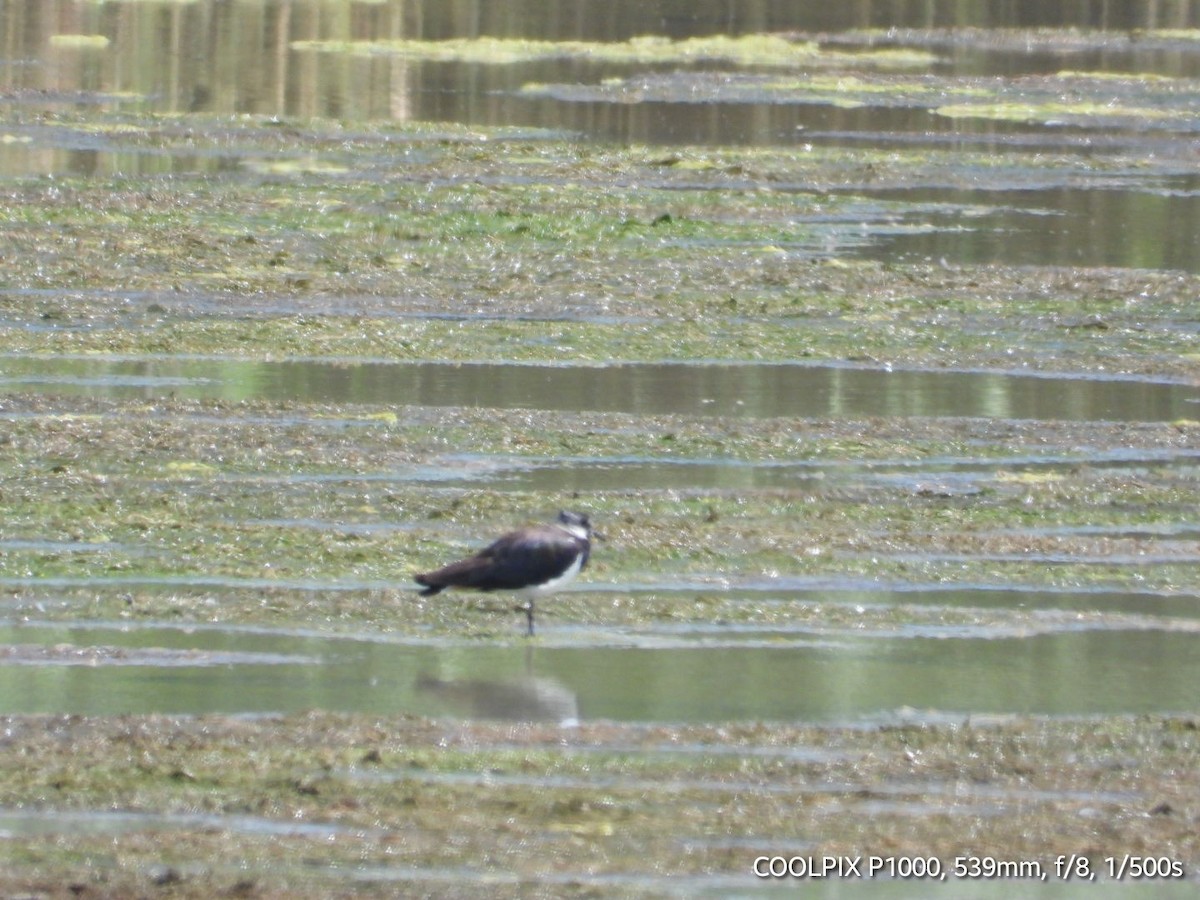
[[575, 525]]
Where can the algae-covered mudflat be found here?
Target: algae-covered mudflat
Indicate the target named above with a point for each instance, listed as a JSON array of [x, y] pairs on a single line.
[[886, 416], [333, 805]]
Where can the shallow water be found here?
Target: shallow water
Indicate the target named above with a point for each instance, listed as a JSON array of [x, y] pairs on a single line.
[[1058, 226], [747, 390], [648, 675]]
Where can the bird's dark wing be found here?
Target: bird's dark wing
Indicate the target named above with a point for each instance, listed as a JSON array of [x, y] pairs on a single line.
[[532, 556]]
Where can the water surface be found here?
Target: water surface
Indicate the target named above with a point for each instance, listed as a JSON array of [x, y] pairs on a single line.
[[718, 674], [746, 390]]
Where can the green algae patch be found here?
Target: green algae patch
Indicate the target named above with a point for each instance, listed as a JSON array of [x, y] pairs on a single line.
[[295, 167], [761, 50], [1079, 113], [1171, 34], [1016, 40], [844, 90], [79, 41], [1075, 97]]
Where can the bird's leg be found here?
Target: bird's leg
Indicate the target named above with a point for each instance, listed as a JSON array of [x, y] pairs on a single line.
[[527, 608]]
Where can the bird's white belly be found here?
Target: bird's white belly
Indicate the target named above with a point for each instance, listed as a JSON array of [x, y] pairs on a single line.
[[553, 585]]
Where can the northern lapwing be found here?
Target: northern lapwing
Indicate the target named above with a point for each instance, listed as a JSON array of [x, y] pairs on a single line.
[[533, 561]]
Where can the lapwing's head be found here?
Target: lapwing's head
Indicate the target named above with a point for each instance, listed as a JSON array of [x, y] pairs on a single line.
[[575, 523]]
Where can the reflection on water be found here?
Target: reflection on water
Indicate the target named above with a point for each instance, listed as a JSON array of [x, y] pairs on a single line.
[[523, 699], [1058, 227], [236, 58], [928, 476], [739, 390], [727, 675]]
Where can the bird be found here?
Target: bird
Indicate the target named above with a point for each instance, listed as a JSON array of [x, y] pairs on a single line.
[[533, 561]]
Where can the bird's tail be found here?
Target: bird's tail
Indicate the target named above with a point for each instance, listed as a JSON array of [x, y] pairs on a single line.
[[431, 588]]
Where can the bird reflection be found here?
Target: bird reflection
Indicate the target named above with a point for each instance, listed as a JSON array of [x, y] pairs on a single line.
[[525, 698]]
